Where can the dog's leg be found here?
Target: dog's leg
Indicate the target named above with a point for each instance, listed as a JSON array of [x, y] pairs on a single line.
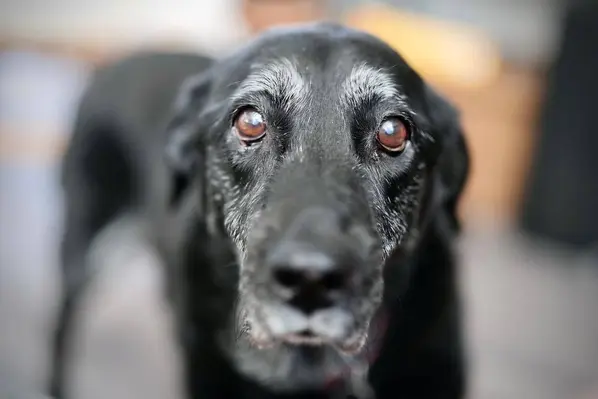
[[62, 337], [74, 250], [100, 182]]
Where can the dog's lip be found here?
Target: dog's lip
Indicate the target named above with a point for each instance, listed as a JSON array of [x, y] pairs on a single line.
[[352, 347], [294, 339], [261, 342], [306, 337], [264, 338]]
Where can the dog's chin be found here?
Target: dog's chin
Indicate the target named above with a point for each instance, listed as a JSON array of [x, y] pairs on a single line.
[[295, 362]]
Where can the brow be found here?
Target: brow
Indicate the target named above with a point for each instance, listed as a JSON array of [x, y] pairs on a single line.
[[279, 79], [366, 83]]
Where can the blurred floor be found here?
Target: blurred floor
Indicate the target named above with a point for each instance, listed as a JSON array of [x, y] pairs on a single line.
[[533, 321], [532, 318]]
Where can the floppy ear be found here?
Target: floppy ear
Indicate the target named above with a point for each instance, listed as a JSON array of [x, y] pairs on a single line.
[[452, 167], [183, 152]]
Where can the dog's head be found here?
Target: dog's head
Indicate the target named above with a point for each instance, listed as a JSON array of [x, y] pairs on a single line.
[[323, 154]]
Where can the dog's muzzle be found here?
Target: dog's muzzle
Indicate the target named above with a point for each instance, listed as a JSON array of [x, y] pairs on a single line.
[[314, 278]]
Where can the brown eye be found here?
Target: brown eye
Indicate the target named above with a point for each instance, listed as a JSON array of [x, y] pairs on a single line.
[[250, 125], [393, 135]]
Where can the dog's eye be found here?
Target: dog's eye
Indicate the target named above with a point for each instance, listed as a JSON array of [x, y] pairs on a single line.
[[249, 125], [393, 135]]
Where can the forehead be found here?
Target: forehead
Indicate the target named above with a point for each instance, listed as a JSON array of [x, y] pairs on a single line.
[[323, 58], [286, 81], [323, 45]]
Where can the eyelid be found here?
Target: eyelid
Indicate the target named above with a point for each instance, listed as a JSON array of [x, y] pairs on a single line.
[[402, 115], [238, 108], [256, 99], [407, 119]]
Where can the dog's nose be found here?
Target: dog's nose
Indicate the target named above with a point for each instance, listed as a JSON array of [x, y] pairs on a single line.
[[307, 266], [309, 280]]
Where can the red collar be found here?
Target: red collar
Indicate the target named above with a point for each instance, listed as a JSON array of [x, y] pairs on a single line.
[[370, 352]]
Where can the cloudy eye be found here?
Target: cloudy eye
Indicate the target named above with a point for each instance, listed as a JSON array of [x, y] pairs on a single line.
[[392, 135], [249, 125]]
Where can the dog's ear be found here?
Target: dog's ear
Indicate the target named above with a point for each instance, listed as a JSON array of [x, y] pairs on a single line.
[[183, 152], [452, 167]]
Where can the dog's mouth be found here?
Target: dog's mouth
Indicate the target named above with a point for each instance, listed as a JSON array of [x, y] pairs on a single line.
[[350, 346], [305, 337], [309, 338], [271, 325], [308, 357]]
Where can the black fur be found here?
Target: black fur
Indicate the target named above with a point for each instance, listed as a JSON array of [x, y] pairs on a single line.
[[218, 209]]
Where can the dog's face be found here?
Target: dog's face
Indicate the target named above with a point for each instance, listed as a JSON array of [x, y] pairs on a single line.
[[321, 153]]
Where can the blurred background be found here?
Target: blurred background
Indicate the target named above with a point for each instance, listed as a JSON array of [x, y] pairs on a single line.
[[522, 72]]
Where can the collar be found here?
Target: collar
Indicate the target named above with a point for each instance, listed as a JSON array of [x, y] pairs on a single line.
[[353, 379]]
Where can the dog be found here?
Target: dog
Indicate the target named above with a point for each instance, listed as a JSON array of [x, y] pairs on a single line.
[[302, 193]]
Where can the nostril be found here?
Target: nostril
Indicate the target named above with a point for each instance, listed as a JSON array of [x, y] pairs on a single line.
[[334, 280], [309, 291], [289, 278]]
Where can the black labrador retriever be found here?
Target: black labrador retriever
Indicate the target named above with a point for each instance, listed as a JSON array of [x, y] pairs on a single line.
[[302, 193]]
